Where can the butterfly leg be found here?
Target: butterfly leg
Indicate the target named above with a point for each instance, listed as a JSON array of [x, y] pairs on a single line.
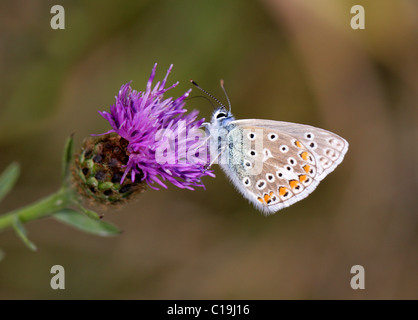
[[214, 160], [205, 125]]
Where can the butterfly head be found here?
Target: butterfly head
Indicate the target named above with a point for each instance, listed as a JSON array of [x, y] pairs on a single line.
[[221, 115]]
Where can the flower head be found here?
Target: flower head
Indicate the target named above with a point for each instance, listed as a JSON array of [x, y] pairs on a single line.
[[160, 136], [99, 167]]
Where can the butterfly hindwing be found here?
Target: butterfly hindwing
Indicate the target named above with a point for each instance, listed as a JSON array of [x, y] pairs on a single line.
[[275, 164]]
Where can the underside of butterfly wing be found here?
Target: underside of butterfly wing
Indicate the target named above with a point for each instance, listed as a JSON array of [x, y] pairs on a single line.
[[275, 164]]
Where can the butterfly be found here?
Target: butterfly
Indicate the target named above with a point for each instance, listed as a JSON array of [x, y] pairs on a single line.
[[273, 164]]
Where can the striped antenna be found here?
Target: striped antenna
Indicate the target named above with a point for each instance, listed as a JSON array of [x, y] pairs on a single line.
[[197, 86], [226, 95]]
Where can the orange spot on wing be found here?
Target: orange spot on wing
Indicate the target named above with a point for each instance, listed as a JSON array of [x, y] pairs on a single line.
[[282, 191], [293, 183], [271, 194], [261, 200], [266, 197], [302, 177], [304, 155], [298, 144], [306, 168]]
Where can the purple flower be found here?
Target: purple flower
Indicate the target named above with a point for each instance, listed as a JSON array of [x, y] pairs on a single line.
[[165, 143]]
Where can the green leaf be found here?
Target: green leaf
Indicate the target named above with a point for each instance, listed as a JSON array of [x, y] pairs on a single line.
[[84, 223], [67, 158], [8, 179], [21, 232]]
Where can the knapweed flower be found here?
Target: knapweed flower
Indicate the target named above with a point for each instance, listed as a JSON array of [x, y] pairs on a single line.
[[158, 139], [99, 168]]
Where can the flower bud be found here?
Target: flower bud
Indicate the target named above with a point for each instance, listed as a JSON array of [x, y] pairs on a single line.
[[99, 168]]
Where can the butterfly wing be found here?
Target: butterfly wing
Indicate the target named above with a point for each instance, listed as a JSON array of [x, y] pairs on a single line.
[[291, 160], [328, 148]]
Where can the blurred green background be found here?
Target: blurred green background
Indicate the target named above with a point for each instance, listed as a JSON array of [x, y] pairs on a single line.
[[296, 61]]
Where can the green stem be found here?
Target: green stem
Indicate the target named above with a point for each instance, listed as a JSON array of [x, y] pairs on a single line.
[[40, 209]]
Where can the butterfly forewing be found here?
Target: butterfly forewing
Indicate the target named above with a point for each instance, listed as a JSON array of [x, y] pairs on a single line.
[[328, 148], [275, 164]]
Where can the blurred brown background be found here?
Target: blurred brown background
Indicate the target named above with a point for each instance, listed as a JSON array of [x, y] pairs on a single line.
[[296, 61]]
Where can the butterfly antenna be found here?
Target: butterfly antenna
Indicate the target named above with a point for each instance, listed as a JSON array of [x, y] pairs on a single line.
[[197, 86], [226, 95], [210, 101]]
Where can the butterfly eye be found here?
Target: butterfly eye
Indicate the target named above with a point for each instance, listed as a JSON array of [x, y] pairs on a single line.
[[220, 115]]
